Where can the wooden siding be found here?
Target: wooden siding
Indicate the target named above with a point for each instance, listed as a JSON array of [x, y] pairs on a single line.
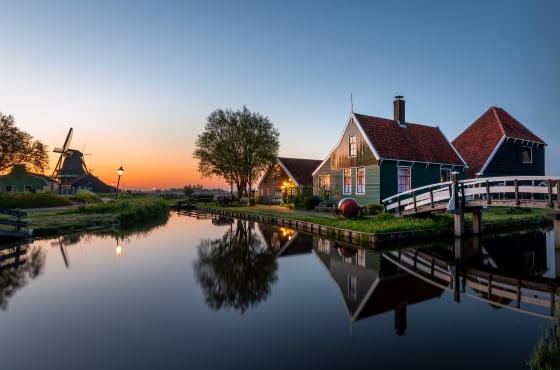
[[508, 161], [372, 185], [420, 175], [364, 156]]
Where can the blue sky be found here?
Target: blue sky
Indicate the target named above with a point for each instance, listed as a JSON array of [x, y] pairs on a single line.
[[137, 79]]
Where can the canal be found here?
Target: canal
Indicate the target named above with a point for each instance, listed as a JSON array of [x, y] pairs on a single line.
[[209, 293]]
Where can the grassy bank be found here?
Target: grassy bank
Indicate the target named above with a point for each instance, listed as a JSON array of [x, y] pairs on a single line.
[[385, 223], [98, 214]]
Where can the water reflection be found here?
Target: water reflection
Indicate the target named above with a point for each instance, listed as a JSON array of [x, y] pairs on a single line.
[[505, 271], [18, 263], [237, 270]]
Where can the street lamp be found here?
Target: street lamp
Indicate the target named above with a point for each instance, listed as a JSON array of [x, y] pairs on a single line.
[[120, 171]]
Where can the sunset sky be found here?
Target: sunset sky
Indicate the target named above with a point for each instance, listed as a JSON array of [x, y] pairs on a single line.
[[137, 79]]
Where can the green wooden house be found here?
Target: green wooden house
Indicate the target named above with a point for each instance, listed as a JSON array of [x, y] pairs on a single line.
[[376, 158], [19, 180]]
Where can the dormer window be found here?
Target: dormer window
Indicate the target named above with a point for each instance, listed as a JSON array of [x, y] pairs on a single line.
[[527, 154], [352, 146]]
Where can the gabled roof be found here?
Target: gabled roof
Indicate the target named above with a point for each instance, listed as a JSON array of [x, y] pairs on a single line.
[[299, 170], [409, 142], [479, 142]]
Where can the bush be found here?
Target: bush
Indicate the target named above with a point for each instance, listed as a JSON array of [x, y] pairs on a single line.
[[33, 200], [310, 202], [147, 210], [86, 196], [374, 209], [518, 211], [384, 216]]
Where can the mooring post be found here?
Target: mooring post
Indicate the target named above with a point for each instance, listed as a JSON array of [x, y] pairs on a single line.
[[454, 207], [477, 221]]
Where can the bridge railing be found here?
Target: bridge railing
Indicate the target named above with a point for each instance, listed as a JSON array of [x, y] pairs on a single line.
[[418, 197], [541, 191]]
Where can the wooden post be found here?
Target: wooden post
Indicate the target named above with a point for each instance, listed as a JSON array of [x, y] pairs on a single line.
[[459, 222], [488, 192], [414, 200], [477, 221], [516, 187], [432, 197], [549, 183]]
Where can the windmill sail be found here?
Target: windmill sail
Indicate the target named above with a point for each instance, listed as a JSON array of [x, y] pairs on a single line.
[[63, 152]]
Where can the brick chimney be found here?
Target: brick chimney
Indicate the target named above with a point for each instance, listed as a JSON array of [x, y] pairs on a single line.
[[398, 109]]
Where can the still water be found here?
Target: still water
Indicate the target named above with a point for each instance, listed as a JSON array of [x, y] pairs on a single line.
[[204, 294]]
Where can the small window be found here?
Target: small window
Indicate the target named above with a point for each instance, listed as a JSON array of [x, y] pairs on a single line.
[[445, 175], [347, 181], [404, 179], [8, 188], [324, 181], [28, 188], [352, 146], [361, 180], [527, 154]]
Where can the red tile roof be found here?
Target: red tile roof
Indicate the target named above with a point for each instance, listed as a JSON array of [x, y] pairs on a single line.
[[477, 143], [300, 169], [411, 142]]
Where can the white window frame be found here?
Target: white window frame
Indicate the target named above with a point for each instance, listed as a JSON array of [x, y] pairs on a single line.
[[347, 189], [530, 150], [399, 184], [352, 146], [361, 187]]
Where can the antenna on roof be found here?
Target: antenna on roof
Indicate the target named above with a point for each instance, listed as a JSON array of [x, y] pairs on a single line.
[[351, 103]]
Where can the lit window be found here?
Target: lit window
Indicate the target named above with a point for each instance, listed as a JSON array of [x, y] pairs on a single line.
[[352, 146], [324, 181], [445, 175], [347, 181], [361, 180], [527, 154], [404, 179]]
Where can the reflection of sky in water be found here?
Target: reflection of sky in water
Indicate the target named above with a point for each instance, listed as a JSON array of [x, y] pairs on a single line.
[[145, 309]]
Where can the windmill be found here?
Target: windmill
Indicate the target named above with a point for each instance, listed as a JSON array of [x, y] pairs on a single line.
[[70, 164], [64, 152]]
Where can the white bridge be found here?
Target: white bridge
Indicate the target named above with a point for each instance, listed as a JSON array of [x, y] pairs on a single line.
[[473, 195], [520, 191]]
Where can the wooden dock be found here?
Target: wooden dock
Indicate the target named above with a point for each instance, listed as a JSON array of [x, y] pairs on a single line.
[[17, 224]]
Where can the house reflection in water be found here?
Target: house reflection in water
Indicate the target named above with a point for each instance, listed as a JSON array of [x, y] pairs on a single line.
[[284, 241], [370, 285]]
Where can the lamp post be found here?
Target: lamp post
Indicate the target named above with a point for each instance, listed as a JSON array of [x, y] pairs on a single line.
[[120, 171]]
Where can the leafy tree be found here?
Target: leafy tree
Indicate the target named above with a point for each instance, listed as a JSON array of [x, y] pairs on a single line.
[[18, 147], [236, 146]]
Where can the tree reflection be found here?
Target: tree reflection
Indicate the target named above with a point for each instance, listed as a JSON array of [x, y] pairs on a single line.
[[237, 270], [18, 265]]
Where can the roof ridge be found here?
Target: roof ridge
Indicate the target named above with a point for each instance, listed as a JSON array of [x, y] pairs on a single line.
[[500, 124]]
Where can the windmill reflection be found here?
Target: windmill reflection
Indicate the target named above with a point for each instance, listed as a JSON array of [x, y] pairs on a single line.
[[18, 264], [237, 270]]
